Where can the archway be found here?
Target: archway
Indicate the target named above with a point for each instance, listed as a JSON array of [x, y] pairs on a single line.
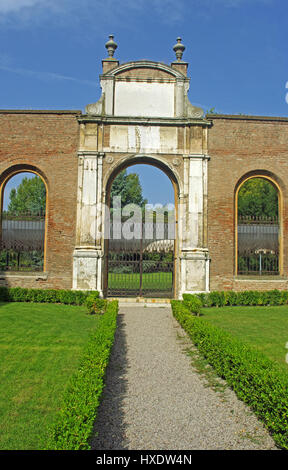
[[23, 220], [141, 249], [258, 226]]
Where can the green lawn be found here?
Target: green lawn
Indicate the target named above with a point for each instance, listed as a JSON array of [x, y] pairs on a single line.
[[265, 328], [150, 281], [40, 348]]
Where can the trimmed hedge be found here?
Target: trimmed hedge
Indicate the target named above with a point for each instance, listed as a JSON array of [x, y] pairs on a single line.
[[193, 303], [95, 305], [231, 298], [257, 380], [69, 297], [74, 425]]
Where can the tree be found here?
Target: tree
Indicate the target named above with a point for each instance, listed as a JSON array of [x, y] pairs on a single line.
[[129, 188], [258, 197], [28, 198]]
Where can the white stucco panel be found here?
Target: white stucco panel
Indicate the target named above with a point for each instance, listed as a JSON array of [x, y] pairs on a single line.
[[119, 138], [149, 138], [144, 99], [89, 188], [144, 139]]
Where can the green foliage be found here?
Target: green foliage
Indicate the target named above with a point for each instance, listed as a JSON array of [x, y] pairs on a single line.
[[121, 269], [41, 346], [216, 298], [231, 298], [95, 305], [263, 327], [193, 303], [257, 380], [212, 111], [28, 197], [251, 263], [221, 299], [150, 281], [258, 197], [61, 296], [76, 418], [23, 261], [129, 188]]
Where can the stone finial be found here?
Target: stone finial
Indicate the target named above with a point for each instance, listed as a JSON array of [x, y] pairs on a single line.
[[111, 46], [179, 48]]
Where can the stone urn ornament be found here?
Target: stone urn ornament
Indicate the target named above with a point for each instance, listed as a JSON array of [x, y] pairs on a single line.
[[179, 48], [111, 46]]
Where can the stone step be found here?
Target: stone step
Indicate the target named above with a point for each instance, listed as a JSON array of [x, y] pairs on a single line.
[[141, 302]]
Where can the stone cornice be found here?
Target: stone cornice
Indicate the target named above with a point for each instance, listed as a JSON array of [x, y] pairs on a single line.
[[201, 156], [90, 153], [243, 117], [85, 118]]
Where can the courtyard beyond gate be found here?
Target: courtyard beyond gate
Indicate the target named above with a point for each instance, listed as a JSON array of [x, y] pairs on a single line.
[[143, 265]]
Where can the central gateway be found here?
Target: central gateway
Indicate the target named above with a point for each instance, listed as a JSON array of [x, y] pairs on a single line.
[[142, 266], [143, 116]]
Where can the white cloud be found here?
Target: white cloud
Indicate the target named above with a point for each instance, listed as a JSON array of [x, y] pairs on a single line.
[[8, 6], [45, 76], [62, 6], [23, 13]]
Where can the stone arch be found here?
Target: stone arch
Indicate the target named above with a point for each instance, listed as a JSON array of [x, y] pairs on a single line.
[[157, 162], [173, 176], [188, 175], [9, 173], [276, 182], [145, 64]]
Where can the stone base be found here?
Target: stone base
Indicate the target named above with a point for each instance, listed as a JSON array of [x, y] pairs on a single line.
[[87, 270], [194, 272]]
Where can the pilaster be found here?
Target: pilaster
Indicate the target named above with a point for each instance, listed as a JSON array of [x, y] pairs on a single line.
[[88, 253], [194, 255]]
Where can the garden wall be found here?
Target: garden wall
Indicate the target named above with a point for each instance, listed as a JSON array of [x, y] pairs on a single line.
[[239, 146], [47, 142]]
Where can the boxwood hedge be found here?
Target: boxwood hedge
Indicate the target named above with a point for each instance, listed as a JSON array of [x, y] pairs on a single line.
[[69, 297], [75, 420], [249, 297], [257, 380], [74, 424]]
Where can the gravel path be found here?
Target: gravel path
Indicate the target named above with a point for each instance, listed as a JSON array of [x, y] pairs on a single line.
[[155, 400]]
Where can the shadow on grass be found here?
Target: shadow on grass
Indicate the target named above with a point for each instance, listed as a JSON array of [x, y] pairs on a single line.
[[109, 429]]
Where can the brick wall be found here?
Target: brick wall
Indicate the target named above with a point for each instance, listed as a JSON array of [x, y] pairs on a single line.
[[239, 146], [48, 142]]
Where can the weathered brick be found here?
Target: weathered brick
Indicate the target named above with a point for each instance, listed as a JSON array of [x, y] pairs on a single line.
[[47, 142], [239, 146]]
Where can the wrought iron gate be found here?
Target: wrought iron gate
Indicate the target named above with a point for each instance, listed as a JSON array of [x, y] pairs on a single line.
[[142, 266]]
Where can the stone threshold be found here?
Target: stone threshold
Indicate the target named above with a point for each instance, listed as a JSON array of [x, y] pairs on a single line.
[[141, 301]]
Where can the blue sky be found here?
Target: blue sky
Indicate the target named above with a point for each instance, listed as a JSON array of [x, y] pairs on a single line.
[[51, 50], [156, 186]]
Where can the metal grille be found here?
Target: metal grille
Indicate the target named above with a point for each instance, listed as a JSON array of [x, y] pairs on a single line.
[[142, 265], [258, 246], [22, 242]]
